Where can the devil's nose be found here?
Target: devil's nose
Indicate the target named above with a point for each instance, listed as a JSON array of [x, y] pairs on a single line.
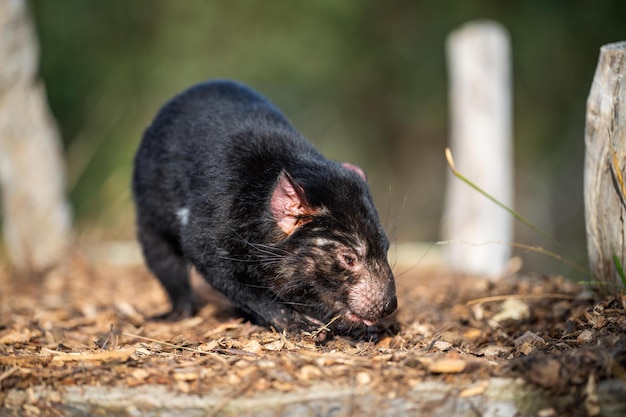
[[390, 306]]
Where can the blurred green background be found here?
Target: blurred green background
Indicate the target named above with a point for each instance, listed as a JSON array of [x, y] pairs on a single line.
[[364, 80]]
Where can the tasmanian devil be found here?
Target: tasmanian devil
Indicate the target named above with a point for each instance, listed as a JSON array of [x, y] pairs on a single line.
[[223, 182]]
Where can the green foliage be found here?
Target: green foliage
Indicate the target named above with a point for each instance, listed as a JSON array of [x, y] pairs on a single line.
[[365, 80]]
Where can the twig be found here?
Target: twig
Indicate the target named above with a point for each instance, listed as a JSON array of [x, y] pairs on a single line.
[[202, 352], [324, 327], [8, 373], [110, 337], [432, 343], [519, 296]]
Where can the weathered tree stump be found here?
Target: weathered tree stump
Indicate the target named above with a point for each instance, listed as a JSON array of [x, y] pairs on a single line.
[[605, 145], [480, 139], [36, 216]]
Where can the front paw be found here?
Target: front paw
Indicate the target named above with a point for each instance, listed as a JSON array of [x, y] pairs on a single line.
[[298, 323], [179, 312]]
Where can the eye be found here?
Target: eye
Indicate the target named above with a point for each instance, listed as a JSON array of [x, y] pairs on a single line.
[[349, 260]]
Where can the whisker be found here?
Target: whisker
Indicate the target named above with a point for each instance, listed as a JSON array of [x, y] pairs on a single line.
[[272, 251], [268, 249], [263, 287], [293, 303], [250, 261]]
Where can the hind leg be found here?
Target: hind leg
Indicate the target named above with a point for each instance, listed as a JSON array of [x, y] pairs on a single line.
[[165, 260]]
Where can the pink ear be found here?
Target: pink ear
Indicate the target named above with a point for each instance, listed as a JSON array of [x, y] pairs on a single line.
[[289, 205], [352, 167]]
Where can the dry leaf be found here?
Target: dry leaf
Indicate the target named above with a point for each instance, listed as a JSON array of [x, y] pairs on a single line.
[[15, 336], [494, 350], [529, 338], [309, 372], [186, 374], [585, 336], [442, 345], [363, 378], [512, 309], [477, 389], [384, 343], [472, 334], [274, 346], [526, 348], [447, 366], [252, 346], [112, 355]]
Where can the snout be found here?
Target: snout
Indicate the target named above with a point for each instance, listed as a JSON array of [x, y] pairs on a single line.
[[371, 300], [390, 306]]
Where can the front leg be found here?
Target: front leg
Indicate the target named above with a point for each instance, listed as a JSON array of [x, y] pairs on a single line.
[[283, 317], [261, 305]]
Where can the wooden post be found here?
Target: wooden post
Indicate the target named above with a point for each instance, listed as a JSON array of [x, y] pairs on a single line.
[[605, 155], [36, 216], [479, 231]]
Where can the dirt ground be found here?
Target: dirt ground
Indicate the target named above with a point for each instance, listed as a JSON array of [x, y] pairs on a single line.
[[88, 324]]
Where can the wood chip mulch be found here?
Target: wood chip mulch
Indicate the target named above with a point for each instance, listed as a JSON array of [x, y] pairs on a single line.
[[89, 324]]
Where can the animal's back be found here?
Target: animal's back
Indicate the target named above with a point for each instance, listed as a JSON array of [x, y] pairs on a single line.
[[190, 145]]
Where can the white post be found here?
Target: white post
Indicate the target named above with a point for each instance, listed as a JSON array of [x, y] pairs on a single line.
[[36, 215], [480, 232]]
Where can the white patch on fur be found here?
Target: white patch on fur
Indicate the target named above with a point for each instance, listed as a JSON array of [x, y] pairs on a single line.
[[183, 215], [320, 241]]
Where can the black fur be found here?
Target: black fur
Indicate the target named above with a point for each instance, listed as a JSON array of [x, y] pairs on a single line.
[[219, 151]]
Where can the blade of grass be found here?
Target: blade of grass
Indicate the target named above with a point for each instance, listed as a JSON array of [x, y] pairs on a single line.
[[538, 249], [616, 168], [512, 212], [532, 248], [620, 270]]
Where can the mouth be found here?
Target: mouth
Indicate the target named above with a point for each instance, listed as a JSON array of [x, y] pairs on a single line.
[[355, 318]]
